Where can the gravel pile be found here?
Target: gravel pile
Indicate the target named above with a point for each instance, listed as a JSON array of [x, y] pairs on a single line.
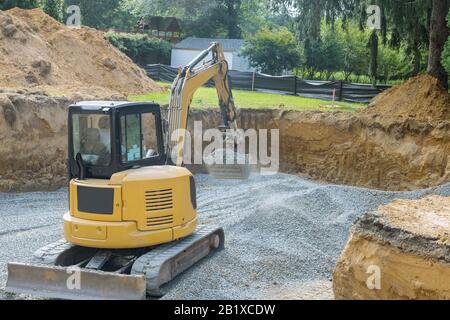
[[283, 234]]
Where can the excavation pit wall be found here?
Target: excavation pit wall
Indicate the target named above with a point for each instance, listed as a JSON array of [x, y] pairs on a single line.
[[400, 251], [343, 148]]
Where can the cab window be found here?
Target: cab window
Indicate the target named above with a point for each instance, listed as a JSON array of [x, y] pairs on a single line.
[[91, 138], [138, 139]]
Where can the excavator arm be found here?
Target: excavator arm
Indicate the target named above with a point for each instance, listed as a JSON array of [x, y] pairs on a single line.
[[189, 79]]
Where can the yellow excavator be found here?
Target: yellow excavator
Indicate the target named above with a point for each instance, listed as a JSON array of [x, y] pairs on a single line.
[[132, 224]]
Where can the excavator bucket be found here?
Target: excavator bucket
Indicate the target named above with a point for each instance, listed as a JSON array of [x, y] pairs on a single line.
[[236, 171], [228, 164], [74, 284]]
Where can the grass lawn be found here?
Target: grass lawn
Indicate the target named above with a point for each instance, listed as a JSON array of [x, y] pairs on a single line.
[[207, 97]]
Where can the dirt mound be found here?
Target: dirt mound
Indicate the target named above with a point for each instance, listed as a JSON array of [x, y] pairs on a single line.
[[36, 51], [408, 242], [419, 97]]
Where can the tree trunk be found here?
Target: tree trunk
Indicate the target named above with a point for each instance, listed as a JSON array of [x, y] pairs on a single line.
[[438, 36], [417, 58], [347, 75], [373, 45], [233, 8]]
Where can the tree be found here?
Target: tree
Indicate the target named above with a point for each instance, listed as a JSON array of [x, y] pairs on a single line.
[[391, 63], [272, 51], [313, 58], [104, 14], [373, 47], [446, 53], [142, 49], [198, 17], [355, 50], [213, 18], [332, 53], [25, 4], [231, 18], [310, 14], [54, 8], [418, 25], [401, 17], [405, 23], [439, 33], [257, 14]]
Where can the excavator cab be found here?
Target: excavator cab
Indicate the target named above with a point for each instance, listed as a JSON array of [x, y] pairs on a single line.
[[108, 137]]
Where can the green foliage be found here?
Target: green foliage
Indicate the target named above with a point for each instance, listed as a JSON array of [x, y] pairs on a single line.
[[25, 4], [202, 18], [355, 51], [390, 63], [313, 59], [337, 49], [104, 14], [446, 52], [273, 51], [332, 53], [54, 8], [310, 14], [213, 18], [405, 27], [322, 40], [343, 53], [142, 49]]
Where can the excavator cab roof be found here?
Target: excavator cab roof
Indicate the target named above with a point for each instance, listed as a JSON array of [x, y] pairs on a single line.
[[106, 137], [99, 105]]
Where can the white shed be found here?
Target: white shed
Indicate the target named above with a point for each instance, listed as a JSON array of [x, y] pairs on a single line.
[[186, 50]]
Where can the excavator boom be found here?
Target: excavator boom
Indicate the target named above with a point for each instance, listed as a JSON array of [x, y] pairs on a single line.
[[196, 74]]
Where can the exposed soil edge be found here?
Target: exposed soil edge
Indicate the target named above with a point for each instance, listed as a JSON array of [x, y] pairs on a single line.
[[408, 242], [342, 148]]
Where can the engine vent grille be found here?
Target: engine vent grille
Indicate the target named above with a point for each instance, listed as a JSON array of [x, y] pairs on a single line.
[[159, 221], [158, 200]]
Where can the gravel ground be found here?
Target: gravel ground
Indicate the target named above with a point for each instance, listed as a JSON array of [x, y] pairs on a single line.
[[283, 234]]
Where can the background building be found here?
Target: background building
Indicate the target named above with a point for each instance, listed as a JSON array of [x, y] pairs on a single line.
[[186, 50]]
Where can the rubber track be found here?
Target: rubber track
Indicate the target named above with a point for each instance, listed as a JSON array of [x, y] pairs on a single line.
[[49, 254], [150, 264]]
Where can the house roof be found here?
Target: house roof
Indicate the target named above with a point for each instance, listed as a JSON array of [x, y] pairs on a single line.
[[191, 43]]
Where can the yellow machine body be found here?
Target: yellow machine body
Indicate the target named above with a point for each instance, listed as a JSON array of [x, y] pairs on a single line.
[[124, 195], [150, 206]]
